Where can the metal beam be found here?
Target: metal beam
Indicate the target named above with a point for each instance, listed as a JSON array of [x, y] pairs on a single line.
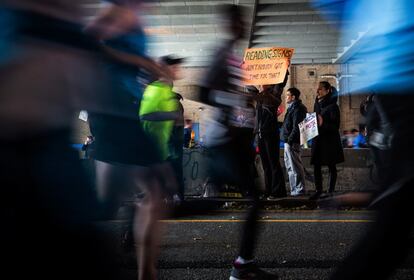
[[253, 23], [296, 61], [355, 46], [295, 29], [282, 1], [297, 20], [285, 9], [297, 38]]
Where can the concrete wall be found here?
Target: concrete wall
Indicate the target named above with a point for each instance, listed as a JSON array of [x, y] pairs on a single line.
[[353, 174]]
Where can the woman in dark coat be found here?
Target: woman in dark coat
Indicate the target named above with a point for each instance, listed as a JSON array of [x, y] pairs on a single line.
[[326, 147]]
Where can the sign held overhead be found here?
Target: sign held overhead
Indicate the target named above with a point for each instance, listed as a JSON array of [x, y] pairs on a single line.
[[265, 66]]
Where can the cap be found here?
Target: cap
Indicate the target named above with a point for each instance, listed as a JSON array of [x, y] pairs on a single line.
[[171, 60]]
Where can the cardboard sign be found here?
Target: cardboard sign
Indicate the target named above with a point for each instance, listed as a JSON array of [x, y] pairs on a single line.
[[266, 66], [308, 128]]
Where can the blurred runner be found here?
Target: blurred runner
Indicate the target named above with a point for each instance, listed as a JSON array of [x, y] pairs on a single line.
[[127, 161], [48, 68], [222, 89], [387, 52]]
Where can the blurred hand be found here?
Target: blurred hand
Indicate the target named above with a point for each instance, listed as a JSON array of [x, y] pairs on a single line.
[[112, 22], [153, 67], [320, 120], [280, 110]]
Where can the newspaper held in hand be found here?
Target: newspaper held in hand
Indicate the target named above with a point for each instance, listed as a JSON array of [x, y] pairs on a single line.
[[308, 128]]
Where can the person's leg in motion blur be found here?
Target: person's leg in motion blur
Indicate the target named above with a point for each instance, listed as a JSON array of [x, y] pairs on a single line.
[[384, 246], [147, 228]]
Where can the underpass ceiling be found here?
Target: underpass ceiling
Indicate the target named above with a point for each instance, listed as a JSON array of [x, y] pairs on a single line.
[[192, 29]]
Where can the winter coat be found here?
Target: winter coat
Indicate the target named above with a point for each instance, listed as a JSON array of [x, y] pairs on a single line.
[[326, 147], [266, 119], [266, 109], [295, 114]]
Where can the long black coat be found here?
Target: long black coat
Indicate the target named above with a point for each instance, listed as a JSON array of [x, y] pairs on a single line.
[[326, 147]]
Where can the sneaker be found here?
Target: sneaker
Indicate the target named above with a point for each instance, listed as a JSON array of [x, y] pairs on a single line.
[[309, 177], [177, 201], [325, 195], [299, 194], [315, 196], [250, 271]]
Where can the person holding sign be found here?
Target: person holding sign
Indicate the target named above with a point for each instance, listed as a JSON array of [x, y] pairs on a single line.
[[267, 130], [267, 69], [326, 147], [296, 113]]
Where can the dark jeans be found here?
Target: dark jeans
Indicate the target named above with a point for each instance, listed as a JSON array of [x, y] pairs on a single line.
[[384, 246], [317, 169], [270, 156]]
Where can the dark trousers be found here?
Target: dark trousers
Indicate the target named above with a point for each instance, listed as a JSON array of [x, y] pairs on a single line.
[[250, 226], [232, 163], [384, 246], [246, 156], [270, 156], [317, 169]]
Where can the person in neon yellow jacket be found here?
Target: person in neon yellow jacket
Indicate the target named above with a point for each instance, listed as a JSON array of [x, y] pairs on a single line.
[[160, 108]]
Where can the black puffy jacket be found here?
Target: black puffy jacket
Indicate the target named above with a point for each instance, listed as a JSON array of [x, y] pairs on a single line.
[[295, 114]]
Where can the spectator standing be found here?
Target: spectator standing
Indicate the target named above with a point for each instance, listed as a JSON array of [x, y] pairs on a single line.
[[188, 129], [268, 138], [360, 139], [86, 146], [326, 147], [345, 138], [352, 136], [176, 145], [296, 113]]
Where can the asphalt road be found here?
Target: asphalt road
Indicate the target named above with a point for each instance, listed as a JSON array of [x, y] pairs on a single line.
[[296, 244]]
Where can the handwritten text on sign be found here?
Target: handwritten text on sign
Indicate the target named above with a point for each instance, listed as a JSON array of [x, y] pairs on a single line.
[[265, 66], [308, 128]]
